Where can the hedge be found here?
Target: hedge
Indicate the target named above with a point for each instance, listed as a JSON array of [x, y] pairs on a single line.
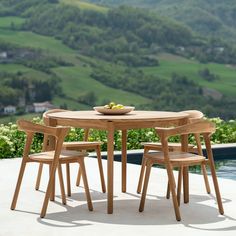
[[12, 140]]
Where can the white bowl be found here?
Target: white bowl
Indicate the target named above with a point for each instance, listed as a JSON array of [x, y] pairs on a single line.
[[107, 111]]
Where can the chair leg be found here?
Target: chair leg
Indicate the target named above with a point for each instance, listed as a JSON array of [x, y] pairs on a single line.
[[60, 175], [86, 187], [52, 196], [145, 185], [204, 172], [140, 182], [216, 186], [98, 151], [172, 190], [49, 191], [68, 179], [39, 176], [179, 184], [18, 184], [186, 184], [78, 177], [168, 191]]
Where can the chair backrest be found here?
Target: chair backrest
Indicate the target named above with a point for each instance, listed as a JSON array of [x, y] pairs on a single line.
[[31, 129], [194, 115], [45, 115], [204, 127], [198, 127], [46, 120]]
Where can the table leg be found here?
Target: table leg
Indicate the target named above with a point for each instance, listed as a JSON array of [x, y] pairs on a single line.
[[110, 160], [124, 159], [51, 139], [186, 184], [184, 143]]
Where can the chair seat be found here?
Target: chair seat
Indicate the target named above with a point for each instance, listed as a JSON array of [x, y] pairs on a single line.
[[176, 158], [81, 145], [172, 146], [64, 156]]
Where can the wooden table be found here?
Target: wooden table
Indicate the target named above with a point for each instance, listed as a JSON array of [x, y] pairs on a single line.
[[132, 120]]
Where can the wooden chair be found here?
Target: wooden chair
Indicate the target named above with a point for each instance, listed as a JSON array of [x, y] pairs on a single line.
[[181, 159], [194, 116], [53, 158], [79, 146]]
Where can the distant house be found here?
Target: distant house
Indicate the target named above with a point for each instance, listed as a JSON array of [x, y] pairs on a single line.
[[9, 110], [220, 49], [181, 48], [42, 107], [3, 55]]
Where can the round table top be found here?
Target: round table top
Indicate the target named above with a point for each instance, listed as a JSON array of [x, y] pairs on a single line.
[[134, 115]]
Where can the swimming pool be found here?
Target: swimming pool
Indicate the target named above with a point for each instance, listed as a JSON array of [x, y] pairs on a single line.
[[226, 168], [224, 155]]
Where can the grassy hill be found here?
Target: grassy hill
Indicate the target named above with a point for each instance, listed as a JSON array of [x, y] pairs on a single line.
[[85, 5], [10, 22], [120, 41], [226, 84], [75, 80], [212, 17]]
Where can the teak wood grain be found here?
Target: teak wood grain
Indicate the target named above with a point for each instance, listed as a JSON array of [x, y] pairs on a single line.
[[110, 123], [194, 115], [76, 145], [181, 159], [53, 158]]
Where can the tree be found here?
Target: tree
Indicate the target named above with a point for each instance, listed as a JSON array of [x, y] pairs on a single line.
[[89, 98]]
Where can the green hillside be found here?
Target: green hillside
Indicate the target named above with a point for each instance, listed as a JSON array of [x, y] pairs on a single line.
[[212, 17], [79, 82], [169, 64], [30, 39], [81, 55], [11, 22], [75, 80], [85, 5]]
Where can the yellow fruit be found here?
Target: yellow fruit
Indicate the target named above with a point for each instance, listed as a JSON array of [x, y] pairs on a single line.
[[120, 106], [111, 104]]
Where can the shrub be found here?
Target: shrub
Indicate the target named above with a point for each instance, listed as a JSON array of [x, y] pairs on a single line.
[[12, 140]]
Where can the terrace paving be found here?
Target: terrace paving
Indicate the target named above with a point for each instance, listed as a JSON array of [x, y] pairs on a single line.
[[199, 217]]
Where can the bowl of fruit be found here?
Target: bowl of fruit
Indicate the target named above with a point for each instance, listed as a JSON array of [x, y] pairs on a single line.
[[113, 109]]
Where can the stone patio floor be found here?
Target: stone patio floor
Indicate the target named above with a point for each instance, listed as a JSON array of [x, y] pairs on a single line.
[[199, 217]]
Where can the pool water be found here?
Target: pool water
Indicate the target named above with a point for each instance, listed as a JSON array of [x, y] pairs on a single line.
[[225, 163], [226, 169]]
